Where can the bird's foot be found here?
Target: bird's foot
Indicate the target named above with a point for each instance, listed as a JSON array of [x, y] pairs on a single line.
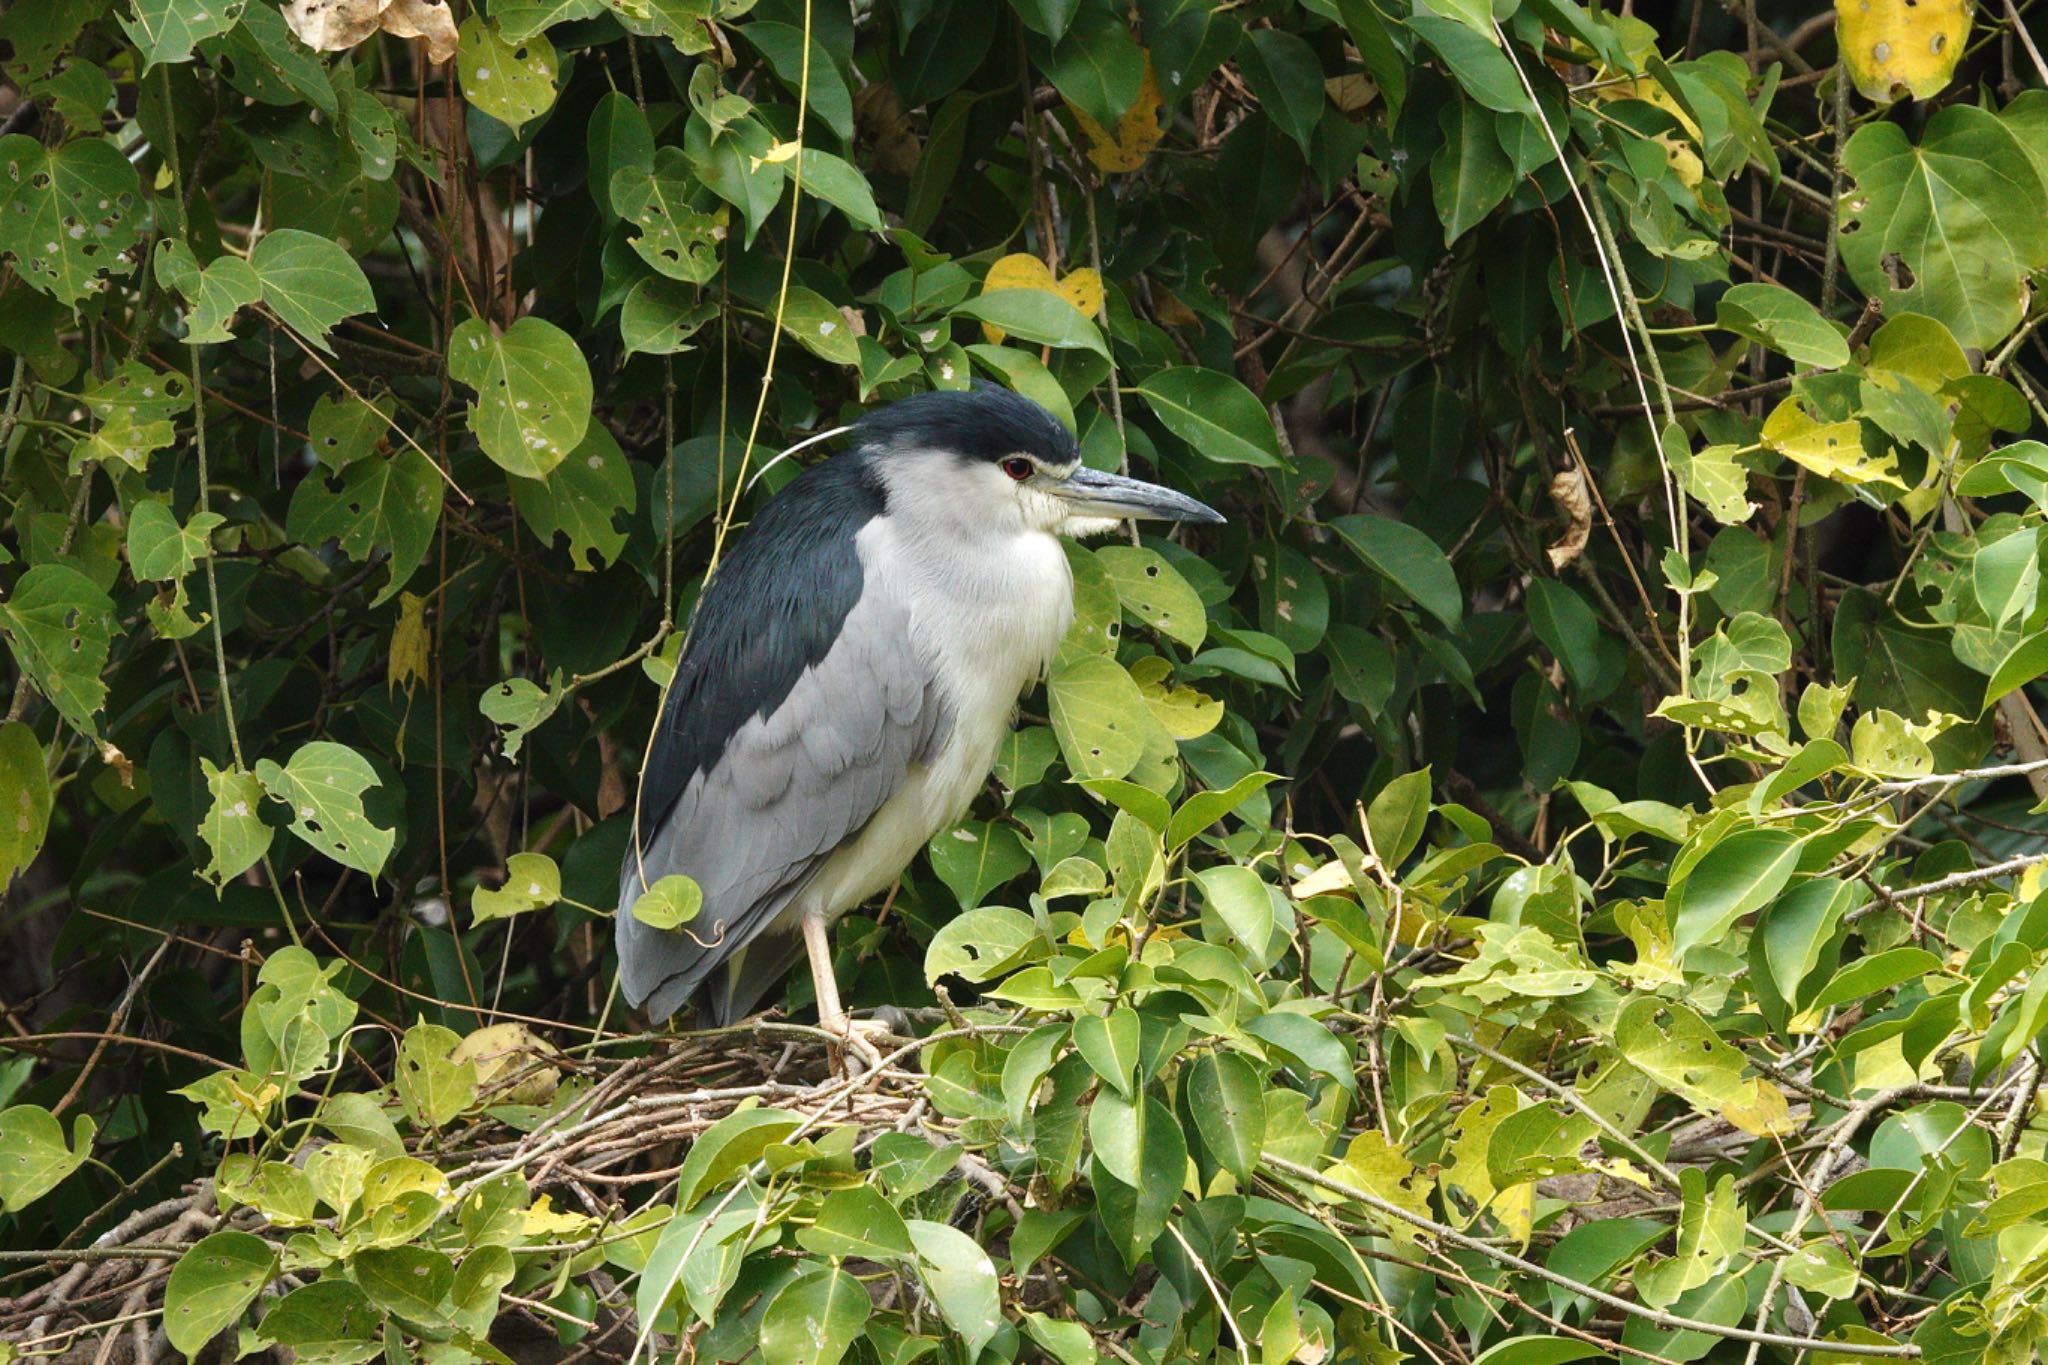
[[859, 1051]]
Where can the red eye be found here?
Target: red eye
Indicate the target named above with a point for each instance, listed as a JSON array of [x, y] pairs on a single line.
[[1018, 468]]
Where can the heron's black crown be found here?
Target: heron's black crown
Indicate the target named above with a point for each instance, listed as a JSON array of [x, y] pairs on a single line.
[[986, 423]]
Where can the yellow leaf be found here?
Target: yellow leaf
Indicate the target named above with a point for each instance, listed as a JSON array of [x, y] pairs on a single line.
[[1137, 132], [1083, 289], [1185, 712], [1021, 270], [1901, 47], [410, 657], [1833, 450]]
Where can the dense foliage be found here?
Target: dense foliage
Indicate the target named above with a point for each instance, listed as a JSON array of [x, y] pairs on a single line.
[[1553, 877]]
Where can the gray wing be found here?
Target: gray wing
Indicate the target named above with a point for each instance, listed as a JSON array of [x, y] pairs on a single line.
[[789, 788]]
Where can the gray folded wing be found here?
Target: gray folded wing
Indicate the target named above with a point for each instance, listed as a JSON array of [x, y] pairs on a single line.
[[788, 788]]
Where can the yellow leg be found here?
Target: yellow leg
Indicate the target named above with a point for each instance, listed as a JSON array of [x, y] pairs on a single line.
[[831, 1017]]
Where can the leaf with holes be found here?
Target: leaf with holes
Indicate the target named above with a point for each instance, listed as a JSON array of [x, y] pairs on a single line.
[[168, 30], [345, 427], [532, 882], [211, 1286], [60, 625], [513, 82], [679, 241], [518, 706], [1833, 450], [324, 785], [1154, 591], [432, 1085], [585, 500], [533, 392], [67, 213], [388, 504], [820, 328], [408, 1281], [1950, 227], [1099, 715], [233, 825], [660, 316], [1681, 1052], [1896, 48]]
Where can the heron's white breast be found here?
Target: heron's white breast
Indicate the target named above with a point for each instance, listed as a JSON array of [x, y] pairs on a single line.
[[988, 610]]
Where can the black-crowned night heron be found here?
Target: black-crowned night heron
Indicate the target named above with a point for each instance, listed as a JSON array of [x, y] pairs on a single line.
[[851, 671]]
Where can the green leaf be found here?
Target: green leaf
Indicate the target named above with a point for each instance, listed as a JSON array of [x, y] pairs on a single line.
[[520, 705], [1397, 816], [1036, 315], [1218, 417], [961, 1280], [1153, 590], [1470, 175], [975, 857], [1868, 976], [33, 1156], [980, 945], [857, 1221], [324, 784], [1204, 809], [327, 1322], [783, 46], [533, 392], [168, 30], [433, 1087], [67, 213], [839, 183], [309, 282], [518, 20], [1774, 316], [584, 500], [1229, 1108], [346, 427], [820, 328], [389, 503], [212, 296], [60, 626], [211, 1286], [618, 136], [407, 1280], [1242, 901], [511, 81], [1738, 876], [660, 316], [1949, 228], [233, 825], [1097, 66], [1681, 1052], [1287, 77], [1099, 715], [24, 799], [727, 1147], [532, 882], [676, 239], [1109, 1044], [1305, 1043], [670, 903], [1408, 559], [1537, 1351], [815, 1318], [1568, 627], [159, 548]]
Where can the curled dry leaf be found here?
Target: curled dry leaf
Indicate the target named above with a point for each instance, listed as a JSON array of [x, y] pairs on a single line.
[[335, 25], [1568, 491]]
